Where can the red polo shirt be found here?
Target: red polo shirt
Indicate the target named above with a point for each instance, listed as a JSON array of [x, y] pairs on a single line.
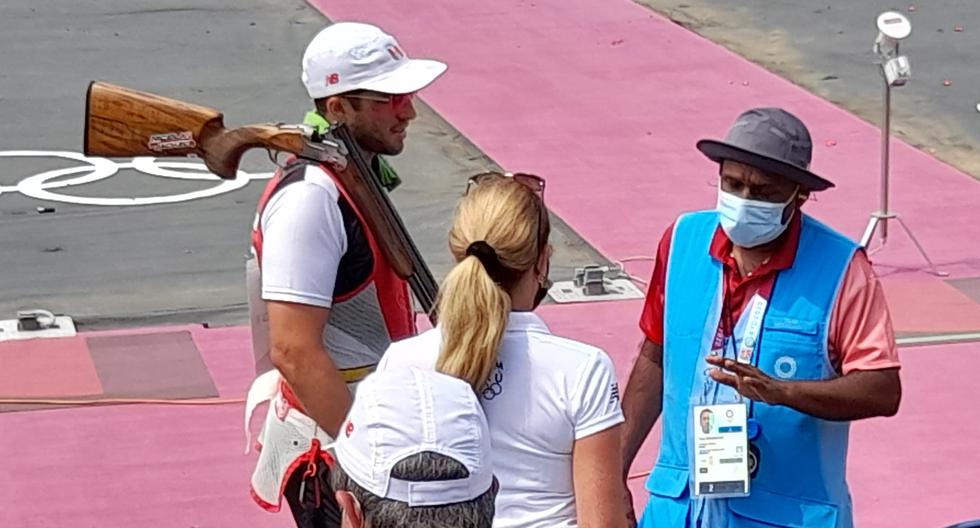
[[861, 336]]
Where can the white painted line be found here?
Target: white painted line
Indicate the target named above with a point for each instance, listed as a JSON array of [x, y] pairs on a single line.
[[938, 338]]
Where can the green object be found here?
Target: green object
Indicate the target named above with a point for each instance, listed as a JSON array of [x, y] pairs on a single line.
[[389, 178], [314, 119]]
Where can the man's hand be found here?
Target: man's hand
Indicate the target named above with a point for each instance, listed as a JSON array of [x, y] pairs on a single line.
[[748, 380], [853, 396]]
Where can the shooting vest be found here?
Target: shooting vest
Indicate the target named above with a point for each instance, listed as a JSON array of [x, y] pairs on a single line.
[[801, 475], [371, 307]]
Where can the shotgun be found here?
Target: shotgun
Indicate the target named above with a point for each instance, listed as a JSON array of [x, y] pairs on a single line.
[[122, 122]]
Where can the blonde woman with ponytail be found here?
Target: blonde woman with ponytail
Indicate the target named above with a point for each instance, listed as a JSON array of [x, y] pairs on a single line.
[[552, 403]]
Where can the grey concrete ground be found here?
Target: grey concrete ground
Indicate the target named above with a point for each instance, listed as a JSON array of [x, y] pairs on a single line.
[[825, 46], [120, 266]]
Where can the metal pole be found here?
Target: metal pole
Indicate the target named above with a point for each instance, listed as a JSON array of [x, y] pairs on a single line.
[[885, 136]]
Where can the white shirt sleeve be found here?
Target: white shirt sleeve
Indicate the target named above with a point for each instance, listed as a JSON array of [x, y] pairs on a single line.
[[303, 239], [595, 404]]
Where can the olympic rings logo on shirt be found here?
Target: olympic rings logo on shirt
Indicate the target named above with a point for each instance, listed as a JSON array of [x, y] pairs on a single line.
[[492, 388], [45, 186]]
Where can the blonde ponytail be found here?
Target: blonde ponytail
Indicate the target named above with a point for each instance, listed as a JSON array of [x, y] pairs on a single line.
[[498, 232], [473, 313]]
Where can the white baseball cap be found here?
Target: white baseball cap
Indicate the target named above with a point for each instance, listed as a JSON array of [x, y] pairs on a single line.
[[403, 412], [353, 56]]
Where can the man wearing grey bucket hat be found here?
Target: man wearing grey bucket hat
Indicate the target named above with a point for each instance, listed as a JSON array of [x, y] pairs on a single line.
[[775, 323]]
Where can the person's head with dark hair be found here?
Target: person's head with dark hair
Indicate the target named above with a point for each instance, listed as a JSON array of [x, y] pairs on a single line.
[[372, 511], [414, 453]]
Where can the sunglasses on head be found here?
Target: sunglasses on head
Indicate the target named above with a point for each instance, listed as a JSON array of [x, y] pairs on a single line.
[[531, 181]]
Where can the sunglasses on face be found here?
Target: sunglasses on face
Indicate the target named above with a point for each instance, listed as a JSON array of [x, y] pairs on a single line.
[[531, 181], [395, 100]]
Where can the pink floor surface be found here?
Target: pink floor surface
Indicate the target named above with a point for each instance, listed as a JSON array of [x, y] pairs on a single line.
[[156, 465], [606, 99]]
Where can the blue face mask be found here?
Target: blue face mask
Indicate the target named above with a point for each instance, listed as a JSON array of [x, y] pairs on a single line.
[[751, 223]]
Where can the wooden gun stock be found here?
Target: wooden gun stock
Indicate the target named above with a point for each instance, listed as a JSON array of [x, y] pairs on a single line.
[[121, 122]]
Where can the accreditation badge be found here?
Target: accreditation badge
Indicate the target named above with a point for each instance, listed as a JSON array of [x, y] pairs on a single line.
[[720, 466]]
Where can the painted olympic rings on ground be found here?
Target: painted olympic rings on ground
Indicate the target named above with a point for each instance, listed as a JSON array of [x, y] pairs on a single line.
[[43, 186]]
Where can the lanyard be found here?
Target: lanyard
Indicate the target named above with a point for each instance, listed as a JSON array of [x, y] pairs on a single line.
[[751, 336], [753, 327]]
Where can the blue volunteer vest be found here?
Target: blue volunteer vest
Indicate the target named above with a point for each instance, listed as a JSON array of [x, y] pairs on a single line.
[[801, 476]]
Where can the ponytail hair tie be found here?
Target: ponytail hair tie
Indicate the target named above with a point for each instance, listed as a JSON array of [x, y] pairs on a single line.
[[488, 258], [484, 252]]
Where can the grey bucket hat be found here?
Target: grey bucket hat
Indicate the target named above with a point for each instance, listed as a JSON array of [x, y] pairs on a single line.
[[770, 139]]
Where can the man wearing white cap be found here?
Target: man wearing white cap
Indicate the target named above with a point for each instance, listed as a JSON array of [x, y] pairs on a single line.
[[415, 453], [323, 300]]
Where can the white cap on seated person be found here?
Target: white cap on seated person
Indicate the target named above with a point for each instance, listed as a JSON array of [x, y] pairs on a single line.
[[415, 452]]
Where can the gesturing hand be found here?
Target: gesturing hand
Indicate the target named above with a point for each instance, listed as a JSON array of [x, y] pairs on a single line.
[[748, 380]]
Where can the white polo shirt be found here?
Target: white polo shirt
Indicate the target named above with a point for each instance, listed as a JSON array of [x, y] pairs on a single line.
[[546, 392]]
